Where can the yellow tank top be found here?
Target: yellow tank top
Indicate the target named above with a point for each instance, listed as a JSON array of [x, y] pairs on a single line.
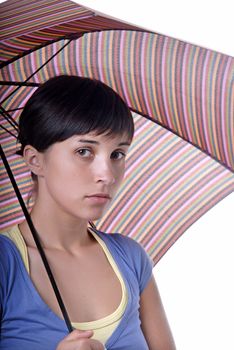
[[104, 327]]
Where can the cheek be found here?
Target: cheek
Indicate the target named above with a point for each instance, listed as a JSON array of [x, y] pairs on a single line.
[[66, 170], [63, 178], [120, 172]]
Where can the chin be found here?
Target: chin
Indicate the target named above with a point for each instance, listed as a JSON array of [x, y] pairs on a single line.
[[96, 216]]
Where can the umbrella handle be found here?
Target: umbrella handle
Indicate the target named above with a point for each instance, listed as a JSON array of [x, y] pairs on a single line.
[[37, 241]]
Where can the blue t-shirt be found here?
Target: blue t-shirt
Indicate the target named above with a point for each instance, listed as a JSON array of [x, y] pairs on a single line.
[[28, 323]]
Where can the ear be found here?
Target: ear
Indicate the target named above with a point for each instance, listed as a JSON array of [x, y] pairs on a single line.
[[34, 160]]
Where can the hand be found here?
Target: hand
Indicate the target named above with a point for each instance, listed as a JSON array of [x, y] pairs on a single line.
[[80, 340]]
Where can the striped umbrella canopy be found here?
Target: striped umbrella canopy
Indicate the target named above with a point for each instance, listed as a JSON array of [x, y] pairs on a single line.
[[181, 95]]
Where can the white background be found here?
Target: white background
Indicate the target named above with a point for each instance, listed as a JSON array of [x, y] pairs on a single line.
[[207, 23], [195, 277]]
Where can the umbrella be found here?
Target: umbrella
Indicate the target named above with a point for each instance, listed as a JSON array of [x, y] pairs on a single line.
[[181, 95]]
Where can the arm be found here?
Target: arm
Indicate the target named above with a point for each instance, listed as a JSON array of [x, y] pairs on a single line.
[[154, 323]]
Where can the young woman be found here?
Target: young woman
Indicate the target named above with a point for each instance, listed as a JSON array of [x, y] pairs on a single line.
[[75, 133]]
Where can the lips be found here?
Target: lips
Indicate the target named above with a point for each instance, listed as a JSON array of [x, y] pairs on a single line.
[[100, 195], [98, 198]]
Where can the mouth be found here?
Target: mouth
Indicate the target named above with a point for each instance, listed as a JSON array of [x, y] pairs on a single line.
[[99, 198]]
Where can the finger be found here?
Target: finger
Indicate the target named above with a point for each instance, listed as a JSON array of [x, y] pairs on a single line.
[[96, 345], [85, 343], [78, 334]]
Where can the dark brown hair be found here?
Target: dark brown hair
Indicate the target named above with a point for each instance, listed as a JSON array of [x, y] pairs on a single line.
[[68, 105]]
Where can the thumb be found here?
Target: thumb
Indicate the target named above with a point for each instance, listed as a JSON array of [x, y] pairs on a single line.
[[78, 334]]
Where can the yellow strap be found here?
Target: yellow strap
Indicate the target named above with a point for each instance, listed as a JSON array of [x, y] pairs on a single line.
[[104, 327]]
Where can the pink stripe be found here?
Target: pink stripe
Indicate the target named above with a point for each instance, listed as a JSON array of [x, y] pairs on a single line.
[[184, 94], [56, 17], [56, 60], [149, 151], [100, 43], [121, 54], [6, 138], [224, 112], [204, 102], [143, 73], [12, 157], [140, 189], [141, 146], [139, 130], [12, 73], [17, 177], [170, 190], [133, 84], [164, 82], [180, 210], [34, 67], [7, 202], [78, 55], [166, 244], [6, 92], [198, 100], [11, 222], [26, 7], [160, 188], [14, 44]]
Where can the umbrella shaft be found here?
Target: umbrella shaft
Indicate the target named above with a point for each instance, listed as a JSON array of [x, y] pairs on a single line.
[[37, 241]]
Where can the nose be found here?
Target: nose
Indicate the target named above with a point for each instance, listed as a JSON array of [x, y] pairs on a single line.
[[104, 172]]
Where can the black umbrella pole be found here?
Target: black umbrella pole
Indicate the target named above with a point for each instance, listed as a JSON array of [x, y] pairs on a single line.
[[37, 241]]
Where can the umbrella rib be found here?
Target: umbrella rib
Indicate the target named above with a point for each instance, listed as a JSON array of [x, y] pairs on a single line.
[[18, 83], [9, 118], [182, 138], [37, 241], [44, 64], [27, 52], [15, 109], [71, 36], [8, 131]]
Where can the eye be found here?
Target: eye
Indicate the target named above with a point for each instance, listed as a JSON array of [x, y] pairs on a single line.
[[84, 152], [118, 155]]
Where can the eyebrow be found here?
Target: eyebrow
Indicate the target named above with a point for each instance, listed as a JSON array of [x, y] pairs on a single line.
[[97, 143]]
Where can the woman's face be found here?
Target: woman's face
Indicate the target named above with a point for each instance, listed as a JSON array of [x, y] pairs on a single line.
[[82, 174]]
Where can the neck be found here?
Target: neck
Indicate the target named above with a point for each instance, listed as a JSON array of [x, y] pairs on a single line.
[[57, 230]]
